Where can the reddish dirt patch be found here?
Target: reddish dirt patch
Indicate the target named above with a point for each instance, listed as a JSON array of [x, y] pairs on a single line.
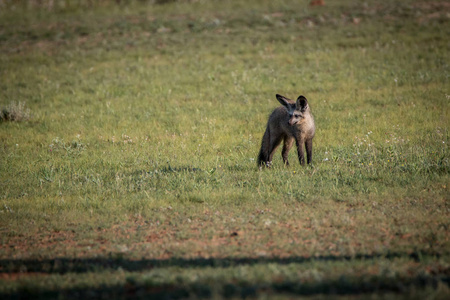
[[17, 275], [433, 5], [317, 3]]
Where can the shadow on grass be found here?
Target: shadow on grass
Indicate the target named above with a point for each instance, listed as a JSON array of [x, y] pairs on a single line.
[[344, 286], [206, 288], [116, 261]]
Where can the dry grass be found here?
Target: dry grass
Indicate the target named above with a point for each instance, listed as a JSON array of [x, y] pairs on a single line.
[[15, 112]]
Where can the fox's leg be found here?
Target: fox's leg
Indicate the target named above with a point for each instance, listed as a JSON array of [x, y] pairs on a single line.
[[308, 145], [301, 156], [288, 142], [274, 143]]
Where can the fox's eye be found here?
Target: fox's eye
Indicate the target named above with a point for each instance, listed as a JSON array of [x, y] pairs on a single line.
[[297, 116]]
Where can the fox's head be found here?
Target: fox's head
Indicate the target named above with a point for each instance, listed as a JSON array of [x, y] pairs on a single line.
[[296, 110]]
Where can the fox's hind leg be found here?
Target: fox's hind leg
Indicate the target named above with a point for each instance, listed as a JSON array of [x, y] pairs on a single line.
[[288, 142], [274, 143]]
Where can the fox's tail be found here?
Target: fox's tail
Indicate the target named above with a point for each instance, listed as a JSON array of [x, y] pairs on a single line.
[[263, 156]]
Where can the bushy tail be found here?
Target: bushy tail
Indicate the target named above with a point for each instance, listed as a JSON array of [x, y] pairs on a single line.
[[263, 156]]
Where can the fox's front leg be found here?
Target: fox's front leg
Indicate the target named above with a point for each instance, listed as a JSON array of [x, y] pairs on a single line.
[[288, 142], [300, 152], [308, 145]]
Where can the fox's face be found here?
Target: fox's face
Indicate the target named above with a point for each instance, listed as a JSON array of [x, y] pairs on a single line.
[[296, 110], [294, 117]]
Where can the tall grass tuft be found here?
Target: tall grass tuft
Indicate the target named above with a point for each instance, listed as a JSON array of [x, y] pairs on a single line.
[[15, 112]]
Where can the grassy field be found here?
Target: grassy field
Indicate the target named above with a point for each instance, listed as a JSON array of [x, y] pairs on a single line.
[[130, 133]]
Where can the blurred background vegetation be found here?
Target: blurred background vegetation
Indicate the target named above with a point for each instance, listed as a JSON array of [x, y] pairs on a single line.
[[60, 5]]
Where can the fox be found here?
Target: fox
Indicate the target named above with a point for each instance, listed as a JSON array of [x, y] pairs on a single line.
[[293, 121]]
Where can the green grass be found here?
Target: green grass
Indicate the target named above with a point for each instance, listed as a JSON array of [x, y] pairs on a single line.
[[135, 173]]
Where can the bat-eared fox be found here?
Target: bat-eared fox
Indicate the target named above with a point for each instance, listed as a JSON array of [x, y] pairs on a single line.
[[290, 122]]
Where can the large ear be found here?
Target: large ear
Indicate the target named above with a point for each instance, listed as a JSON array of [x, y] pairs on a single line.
[[302, 103], [283, 100]]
